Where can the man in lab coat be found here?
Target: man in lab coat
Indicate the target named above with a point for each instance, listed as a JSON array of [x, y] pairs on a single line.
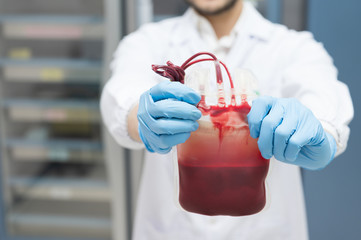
[[302, 123]]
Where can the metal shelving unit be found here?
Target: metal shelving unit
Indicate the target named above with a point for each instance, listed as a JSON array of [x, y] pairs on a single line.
[[52, 27], [54, 178]]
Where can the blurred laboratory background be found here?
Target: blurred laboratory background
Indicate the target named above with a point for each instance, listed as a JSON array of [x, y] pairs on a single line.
[[61, 174]]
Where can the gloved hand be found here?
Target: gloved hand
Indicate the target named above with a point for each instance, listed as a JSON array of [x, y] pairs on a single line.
[[290, 132], [167, 115]]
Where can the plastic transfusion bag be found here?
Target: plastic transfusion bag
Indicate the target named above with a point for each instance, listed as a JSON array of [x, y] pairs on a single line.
[[219, 170]]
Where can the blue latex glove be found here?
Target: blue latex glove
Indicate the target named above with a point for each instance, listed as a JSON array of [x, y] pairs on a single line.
[[290, 132], [167, 115]]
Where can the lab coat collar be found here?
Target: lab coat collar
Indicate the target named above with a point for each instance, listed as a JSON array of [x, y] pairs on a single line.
[[251, 23]]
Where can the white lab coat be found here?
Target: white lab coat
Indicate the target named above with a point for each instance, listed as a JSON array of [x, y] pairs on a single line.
[[286, 64]]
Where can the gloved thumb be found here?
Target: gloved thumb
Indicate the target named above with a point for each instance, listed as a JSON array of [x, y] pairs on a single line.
[[176, 90]]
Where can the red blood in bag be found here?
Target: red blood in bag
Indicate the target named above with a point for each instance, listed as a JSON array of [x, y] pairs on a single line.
[[222, 190], [224, 116], [222, 175]]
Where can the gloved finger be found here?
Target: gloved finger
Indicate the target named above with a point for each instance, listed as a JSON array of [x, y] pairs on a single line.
[[268, 126], [161, 143], [260, 108], [174, 139], [151, 140], [295, 143], [162, 125], [145, 103], [166, 89], [282, 135], [171, 126], [171, 108], [160, 150], [164, 151], [141, 131]]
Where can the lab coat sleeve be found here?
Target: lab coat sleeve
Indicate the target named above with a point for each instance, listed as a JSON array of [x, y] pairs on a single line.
[[311, 77], [131, 76]]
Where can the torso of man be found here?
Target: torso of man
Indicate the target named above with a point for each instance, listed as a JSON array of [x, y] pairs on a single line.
[[157, 215]]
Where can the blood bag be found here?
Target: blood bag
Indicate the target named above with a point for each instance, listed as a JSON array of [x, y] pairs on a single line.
[[219, 170]]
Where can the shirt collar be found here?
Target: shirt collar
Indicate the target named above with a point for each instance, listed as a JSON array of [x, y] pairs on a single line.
[[207, 33], [250, 23], [205, 27]]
